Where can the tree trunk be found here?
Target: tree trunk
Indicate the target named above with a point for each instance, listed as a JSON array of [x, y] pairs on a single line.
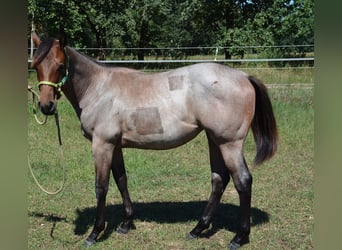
[[227, 54], [143, 40]]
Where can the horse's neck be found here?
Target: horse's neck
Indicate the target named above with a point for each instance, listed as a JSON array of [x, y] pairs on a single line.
[[80, 78]]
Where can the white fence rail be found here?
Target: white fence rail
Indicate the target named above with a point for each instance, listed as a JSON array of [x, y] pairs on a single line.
[[195, 54], [213, 60], [206, 60], [273, 68]]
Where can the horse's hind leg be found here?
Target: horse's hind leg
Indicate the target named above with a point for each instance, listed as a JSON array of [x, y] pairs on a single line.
[[236, 164], [219, 180], [119, 173]]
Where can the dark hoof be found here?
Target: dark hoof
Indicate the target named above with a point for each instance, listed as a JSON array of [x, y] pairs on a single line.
[[191, 236], [238, 241], [196, 232], [233, 245], [89, 242], [123, 229]]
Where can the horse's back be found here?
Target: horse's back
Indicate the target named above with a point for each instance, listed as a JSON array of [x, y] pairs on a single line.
[[210, 74], [211, 80]]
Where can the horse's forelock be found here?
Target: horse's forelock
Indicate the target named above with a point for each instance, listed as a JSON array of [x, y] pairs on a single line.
[[42, 51]]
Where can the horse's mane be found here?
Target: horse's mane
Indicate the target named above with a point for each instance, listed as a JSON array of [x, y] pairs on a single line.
[[71, 50], [42, 51]]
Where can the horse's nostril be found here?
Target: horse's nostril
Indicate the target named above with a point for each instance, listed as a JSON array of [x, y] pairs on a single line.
[[48, 108], [51, 105]]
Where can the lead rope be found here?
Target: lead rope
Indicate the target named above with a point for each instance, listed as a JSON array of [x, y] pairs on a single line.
[[60, 149], [34, 106]]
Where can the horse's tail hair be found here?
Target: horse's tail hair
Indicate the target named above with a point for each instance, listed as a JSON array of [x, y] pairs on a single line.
[[264, 125]]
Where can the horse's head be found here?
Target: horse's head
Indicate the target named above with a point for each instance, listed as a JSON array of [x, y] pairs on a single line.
[[50, 63]]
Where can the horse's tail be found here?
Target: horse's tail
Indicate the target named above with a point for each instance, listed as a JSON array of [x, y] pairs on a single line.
[[264, 125]]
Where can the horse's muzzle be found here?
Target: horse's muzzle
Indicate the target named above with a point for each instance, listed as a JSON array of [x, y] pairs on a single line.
[[48, 108]]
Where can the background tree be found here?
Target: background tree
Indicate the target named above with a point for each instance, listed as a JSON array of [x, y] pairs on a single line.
[[178, 23]]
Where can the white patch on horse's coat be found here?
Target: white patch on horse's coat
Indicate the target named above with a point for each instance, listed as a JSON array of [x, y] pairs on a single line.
[[147, 121], [175, 82]]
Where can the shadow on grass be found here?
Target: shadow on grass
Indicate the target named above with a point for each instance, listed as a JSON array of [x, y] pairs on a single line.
[[225, 217], [50, 218]]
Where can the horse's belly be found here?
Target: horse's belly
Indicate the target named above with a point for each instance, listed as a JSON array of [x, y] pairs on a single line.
[[160, 137]]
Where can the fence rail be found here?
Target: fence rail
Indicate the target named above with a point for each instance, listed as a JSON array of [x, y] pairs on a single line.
[[206, 60], [199, 47], [210, 47], [284, 69], [213, 60], [246, 53]]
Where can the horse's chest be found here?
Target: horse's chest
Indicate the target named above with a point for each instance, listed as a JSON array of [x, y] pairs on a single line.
[[88, 122], [87, 130], [104, 123]]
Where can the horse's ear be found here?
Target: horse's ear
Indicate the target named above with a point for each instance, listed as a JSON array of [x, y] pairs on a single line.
[[63, 39], [36, 39]]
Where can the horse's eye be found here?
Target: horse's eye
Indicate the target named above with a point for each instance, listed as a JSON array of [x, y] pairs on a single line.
[[61, 68]]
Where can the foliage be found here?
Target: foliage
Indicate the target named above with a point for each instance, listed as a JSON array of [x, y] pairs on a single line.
[[179, 23]]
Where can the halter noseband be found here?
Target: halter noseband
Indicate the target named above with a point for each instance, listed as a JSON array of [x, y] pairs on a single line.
[[57, 86]]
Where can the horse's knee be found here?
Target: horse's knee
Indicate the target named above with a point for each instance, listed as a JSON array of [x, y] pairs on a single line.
[[219, 182], [100, 192], [216, 182]]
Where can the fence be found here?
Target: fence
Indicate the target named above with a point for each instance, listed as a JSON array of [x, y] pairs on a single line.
[[292, 61], [196, 54]]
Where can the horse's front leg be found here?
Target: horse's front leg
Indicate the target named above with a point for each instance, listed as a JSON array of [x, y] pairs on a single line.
[[102, 154], [119, 173]]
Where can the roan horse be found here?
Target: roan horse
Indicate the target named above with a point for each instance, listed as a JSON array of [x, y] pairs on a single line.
[[124, 108]]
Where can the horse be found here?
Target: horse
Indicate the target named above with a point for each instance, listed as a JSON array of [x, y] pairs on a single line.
[[120, 108]]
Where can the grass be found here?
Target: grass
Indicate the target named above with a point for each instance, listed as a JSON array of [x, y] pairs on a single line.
[[283, 75], [170, 188]]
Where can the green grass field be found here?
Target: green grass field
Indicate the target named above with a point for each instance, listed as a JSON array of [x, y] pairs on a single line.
[[170, 188]]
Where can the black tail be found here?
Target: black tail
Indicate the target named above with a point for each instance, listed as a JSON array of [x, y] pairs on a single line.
[[264, 125]]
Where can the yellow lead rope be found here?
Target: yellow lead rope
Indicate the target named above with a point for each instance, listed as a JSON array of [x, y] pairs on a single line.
[[35, 94], [34, 106], [37, 182]]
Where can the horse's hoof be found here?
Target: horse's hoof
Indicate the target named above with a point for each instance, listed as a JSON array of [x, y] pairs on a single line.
[[89, 242], [233, 245], [124, 229], [238, 241], [191, 236]]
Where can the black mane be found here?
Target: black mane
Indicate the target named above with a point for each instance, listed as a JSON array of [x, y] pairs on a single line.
[[42, 51]]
